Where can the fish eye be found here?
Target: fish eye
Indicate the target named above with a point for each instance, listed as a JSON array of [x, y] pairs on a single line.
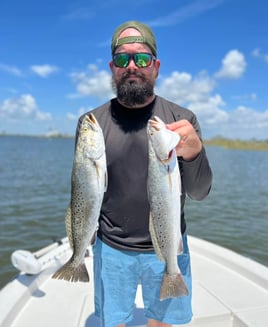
[[85, 129]]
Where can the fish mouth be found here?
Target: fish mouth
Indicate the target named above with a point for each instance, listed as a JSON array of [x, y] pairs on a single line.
[[91, 119]]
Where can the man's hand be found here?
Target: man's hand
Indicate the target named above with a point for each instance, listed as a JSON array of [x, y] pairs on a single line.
[[190, 144]]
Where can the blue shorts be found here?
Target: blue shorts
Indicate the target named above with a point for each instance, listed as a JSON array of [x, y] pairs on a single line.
[[117, 274]]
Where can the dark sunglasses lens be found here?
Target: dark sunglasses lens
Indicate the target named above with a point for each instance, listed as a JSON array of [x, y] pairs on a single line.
[[142, 59], [121, 60]]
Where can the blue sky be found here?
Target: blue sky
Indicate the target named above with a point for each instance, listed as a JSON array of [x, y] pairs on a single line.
[[54, 61]]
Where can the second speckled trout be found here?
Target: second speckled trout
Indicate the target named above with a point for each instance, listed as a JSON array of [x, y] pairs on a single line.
[[89, 182], [164, 191]]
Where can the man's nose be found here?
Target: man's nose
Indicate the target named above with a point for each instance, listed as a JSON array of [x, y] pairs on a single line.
[[132, 64]]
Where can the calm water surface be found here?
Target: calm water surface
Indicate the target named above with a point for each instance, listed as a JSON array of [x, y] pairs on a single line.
[[35, 190]]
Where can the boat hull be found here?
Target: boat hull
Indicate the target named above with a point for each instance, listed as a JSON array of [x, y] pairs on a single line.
[[228, 290]]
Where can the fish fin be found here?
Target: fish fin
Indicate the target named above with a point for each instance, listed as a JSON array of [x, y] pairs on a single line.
[[173, 286], [72, 273], [180, 246], [106, 181], [179, 178], [98, 167], [68, 226], [94, 239], [171, 165], [154, 239]]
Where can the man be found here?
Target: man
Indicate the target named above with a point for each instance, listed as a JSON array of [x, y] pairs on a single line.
[[123, 253]]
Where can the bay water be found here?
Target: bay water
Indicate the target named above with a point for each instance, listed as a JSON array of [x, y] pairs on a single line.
[[35, 184]]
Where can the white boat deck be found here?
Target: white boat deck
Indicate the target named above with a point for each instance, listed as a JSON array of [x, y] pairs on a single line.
[[228, 291]]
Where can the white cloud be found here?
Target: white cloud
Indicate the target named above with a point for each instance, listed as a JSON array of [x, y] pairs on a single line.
[[71, 116], [258, 54], [188, 11], [198, 92], [44, 70], [182, 87], [233, 65], [213, 113], [242, 123], [11, 70], [195, 93], [249, 118], [23, 107], [93, 82], [209, 112], [81, 111], [245, 97]]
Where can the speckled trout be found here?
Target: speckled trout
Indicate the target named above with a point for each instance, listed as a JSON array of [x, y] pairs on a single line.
[[89, 182], [164, 191]]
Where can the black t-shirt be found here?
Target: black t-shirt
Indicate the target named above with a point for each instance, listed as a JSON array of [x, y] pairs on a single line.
[[124, 217]]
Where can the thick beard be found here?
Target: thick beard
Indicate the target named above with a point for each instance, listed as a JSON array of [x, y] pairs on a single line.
[[131, 93]]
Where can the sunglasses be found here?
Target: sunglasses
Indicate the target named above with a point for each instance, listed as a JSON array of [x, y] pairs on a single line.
[[141, 59]]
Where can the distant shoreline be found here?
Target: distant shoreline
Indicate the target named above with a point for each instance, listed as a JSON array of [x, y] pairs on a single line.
[[46, 136], [258, 145]]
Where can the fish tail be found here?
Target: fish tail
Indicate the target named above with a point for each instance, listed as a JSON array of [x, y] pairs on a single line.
[[173, 286], [72, 273]]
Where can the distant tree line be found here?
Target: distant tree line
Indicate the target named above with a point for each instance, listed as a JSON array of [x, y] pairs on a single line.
[[252, 144]]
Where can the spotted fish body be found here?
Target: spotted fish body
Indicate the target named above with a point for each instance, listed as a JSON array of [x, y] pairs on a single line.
[[89, 182], [164, 190]]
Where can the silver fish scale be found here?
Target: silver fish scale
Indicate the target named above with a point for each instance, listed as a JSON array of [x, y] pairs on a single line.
[[89, 182], [164, 190], [164, 196], [88, 186], [164, 201]]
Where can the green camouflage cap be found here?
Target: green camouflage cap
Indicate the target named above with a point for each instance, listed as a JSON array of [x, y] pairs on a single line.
[[147, 36]]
